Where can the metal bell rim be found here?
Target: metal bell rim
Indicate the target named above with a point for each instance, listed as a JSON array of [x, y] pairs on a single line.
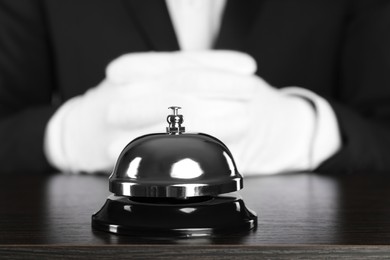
[[179, 190]]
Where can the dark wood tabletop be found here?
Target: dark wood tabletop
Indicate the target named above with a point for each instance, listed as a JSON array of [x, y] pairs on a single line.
[[299, 215]]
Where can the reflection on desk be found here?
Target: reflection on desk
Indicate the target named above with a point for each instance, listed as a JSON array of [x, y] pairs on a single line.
[[298, 215]]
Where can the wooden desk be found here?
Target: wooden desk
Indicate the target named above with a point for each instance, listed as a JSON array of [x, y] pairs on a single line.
[[299, 215]]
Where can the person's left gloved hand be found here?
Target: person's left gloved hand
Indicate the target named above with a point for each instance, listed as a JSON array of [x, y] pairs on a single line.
[[267, 130]]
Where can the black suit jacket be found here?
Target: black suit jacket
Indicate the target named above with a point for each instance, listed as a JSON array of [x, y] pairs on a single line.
[[53, 50]]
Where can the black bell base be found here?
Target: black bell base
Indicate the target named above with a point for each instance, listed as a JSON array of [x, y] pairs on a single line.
[[165, 217]]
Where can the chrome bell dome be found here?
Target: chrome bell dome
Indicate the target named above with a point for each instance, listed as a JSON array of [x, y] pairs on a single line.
[[175, 165], [171, 185]]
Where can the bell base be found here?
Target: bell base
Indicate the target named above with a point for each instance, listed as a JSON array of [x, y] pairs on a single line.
[[194, 217]]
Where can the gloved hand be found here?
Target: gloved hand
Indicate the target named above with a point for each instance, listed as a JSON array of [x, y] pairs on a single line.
[[88, 132], [267, 130], [81, 134]]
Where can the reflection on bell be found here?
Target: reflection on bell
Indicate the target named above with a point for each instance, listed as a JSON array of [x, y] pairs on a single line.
[[169, 184]]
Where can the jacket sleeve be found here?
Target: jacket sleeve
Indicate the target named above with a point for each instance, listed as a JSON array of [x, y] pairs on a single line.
[[26, 87], [362, 103]]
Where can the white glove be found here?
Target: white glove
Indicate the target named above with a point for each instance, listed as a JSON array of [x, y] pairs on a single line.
[[267, 130], [81, 134], [88, 132]]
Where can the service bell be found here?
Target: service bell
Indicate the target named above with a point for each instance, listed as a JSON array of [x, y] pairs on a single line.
[[170, 184]]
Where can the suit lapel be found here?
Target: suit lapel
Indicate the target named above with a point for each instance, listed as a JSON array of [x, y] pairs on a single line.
[[237, 22], [152, 19]]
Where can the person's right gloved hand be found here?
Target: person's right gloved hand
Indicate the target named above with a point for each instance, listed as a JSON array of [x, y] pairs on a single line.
[[82, 135]]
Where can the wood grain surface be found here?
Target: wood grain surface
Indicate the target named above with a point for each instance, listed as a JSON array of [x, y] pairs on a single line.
[[299, 215]]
